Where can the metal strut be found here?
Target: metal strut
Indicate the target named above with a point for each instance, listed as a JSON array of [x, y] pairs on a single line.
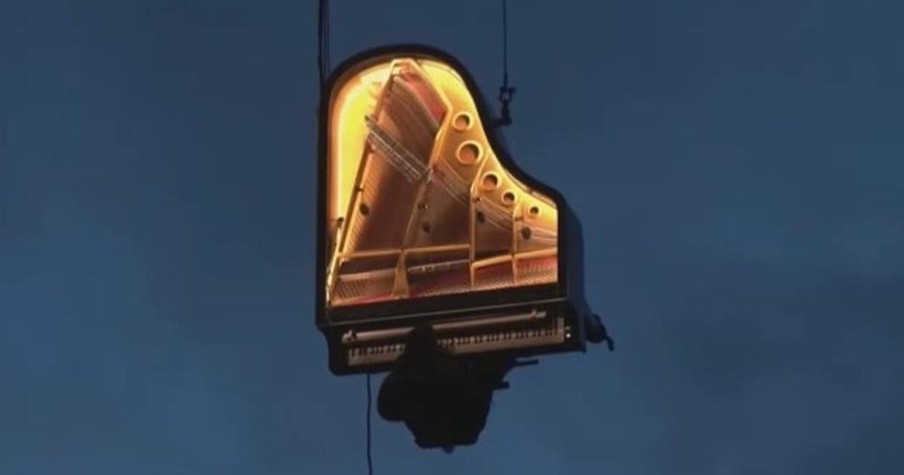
[[506, 92]]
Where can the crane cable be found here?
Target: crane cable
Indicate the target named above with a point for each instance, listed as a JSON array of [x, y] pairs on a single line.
[[323, 41]]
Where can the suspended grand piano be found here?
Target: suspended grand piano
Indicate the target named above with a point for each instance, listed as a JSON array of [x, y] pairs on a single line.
[[423, 217]]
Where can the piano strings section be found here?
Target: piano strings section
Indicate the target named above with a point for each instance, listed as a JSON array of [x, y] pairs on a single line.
[[418, 203]]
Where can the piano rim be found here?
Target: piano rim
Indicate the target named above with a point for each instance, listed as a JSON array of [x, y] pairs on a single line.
[[325, 315]]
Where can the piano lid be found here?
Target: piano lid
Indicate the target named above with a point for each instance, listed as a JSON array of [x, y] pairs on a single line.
[[421, 212]]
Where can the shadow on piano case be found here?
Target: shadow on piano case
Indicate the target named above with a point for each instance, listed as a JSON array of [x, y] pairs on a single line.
[[424, 218]]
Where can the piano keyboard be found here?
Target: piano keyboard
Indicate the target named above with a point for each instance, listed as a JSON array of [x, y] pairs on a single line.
[[368, 348]]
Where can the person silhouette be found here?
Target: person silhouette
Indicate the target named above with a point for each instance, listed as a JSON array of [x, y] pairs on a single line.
[[444, 402]]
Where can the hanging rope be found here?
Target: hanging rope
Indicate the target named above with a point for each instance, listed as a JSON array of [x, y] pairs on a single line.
[[370, 462], [506, 92]]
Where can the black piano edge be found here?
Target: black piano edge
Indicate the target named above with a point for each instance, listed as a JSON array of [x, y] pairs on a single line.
[[569, 290]]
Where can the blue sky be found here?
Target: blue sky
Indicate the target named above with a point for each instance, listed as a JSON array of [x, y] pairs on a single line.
[[737, 167]]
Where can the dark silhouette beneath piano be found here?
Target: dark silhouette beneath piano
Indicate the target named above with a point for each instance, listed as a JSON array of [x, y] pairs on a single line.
[[444, 401]]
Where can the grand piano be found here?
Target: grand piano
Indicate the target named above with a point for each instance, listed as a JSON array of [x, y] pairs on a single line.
[[424, 217]]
